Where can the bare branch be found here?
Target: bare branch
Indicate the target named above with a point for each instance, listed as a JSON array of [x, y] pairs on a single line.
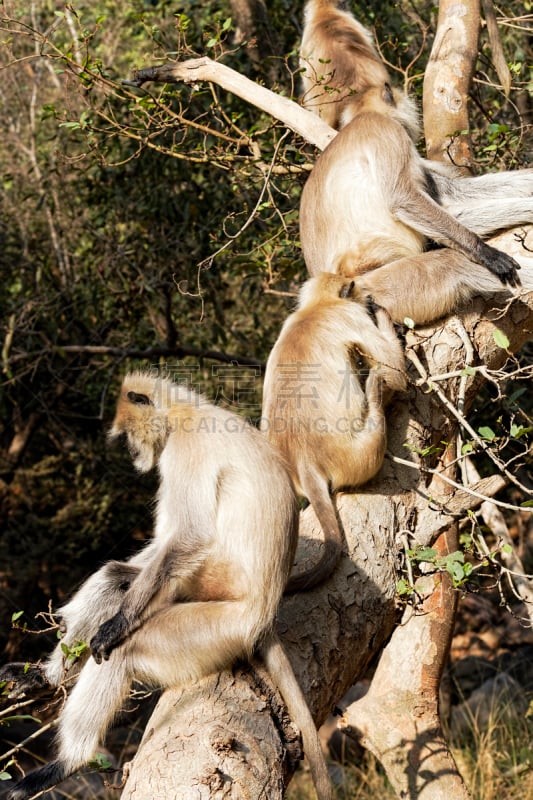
[[303, 122]]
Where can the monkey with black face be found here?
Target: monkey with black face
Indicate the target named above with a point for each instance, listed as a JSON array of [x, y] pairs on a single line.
[[226, 527], [326, 383]]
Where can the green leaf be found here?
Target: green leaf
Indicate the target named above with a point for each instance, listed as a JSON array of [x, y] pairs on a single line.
[[17, 615], [501, 339], [465, 540], [100, 761], [424, 554], [519, 430], [487, 433], [456, 571], [403, 587], [457, 555], [72, 652]]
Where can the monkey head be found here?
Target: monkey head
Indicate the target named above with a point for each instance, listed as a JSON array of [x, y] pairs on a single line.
[[142, 417], [389, 102], [328, 287]]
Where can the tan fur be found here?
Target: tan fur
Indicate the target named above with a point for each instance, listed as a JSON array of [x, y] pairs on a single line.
[[330, 429], [427, 287], [338, 61], [371, 200], [226, 526], [366, 204]]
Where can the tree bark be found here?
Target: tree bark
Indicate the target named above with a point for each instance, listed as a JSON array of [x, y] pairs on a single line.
[[303, 122], [447, 82], [254, 28]]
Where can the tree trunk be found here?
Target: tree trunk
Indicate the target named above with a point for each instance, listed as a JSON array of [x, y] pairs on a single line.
[[447, 82], [254, 28]]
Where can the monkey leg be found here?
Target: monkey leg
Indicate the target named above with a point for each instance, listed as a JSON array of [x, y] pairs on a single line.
[[485, 217], [431, 285], [97, 599], [158, 583], [454, 189], [177, 645], [90, 708], [187, 641], [420, 212], [457, 192]]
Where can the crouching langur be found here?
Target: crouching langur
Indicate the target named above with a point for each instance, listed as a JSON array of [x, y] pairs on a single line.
[[370, 200], [326, 382], [205, 590]]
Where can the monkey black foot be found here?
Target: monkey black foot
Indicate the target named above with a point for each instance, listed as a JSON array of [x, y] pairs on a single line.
[[38, 780], [108, 636], [371, 307], [22, 679], [501, 265]]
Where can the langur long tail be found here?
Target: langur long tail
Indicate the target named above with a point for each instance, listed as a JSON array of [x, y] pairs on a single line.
[[280, 669]]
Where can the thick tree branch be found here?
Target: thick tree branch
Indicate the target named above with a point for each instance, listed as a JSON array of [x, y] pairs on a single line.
[[447, 82]]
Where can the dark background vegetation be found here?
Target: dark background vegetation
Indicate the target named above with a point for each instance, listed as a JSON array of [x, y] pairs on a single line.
[[147, 229]]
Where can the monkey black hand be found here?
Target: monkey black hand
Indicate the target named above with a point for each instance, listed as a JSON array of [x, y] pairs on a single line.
[[110, 634]]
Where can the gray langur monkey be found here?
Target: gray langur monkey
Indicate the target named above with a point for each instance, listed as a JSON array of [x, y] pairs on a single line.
[[371, 199], [205, 591], [325, 419]]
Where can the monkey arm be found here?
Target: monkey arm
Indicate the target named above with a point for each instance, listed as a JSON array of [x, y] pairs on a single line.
[[417, 210], [158, 583]]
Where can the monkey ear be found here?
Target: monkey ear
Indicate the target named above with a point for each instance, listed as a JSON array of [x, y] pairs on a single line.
[[346, 290], [139, 399], [388, 96]]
